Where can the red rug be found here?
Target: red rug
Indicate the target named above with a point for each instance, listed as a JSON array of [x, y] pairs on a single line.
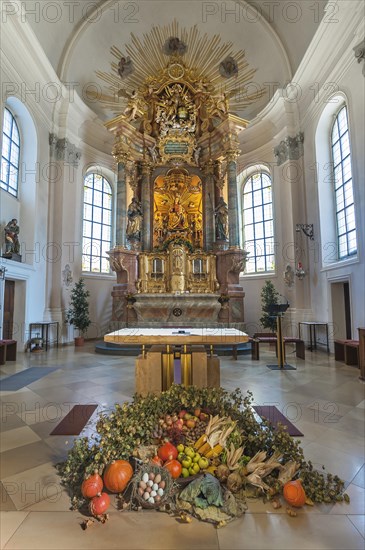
[[75, 421], [273, 415]]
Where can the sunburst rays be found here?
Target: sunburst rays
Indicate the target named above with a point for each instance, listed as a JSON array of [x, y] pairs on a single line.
[[202, 58]]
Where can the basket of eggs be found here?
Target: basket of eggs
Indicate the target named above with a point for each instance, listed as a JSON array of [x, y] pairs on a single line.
[[152, 486]]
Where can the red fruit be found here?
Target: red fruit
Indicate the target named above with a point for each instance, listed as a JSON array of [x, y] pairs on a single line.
[[174, 467], [182, 414], [294, 494], [157, 460], [197, 412], [167, 452], [117, 475], [92, 486], [99, 504]]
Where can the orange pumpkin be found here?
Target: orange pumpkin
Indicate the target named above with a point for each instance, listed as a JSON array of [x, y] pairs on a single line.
[[99, 504], [92, 486], [294, 493], [117, 475]]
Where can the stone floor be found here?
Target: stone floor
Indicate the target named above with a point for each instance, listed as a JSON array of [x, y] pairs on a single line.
[[324, 399]]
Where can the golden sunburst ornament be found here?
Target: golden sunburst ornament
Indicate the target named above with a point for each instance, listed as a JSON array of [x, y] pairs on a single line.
[[167, 54]]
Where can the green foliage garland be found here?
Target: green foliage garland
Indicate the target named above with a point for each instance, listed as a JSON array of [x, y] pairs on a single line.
[[132, 424]]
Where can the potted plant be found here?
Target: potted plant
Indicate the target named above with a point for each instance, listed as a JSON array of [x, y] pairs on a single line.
[[78, 312], [269, 296]]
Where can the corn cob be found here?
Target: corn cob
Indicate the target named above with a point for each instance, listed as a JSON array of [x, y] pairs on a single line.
[[204, 449], [202, 439], [216, 451]]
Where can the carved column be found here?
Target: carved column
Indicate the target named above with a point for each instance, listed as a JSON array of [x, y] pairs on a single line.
[[231, 156], [146, 205], [65, 158], [208, 198], [121, 156]]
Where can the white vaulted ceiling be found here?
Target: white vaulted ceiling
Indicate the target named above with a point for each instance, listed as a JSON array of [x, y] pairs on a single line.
[[77, 35]]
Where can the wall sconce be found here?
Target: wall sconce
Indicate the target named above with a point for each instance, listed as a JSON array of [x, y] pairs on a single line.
[[307, 229], [300, 272], [2, 272]]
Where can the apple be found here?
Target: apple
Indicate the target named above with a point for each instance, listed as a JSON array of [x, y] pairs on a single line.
[[182, 414], [189, 451], [203, 416], [186, 461], [180, 448], [185, 472], [203, 463], [197, 457], [187, 416], [190, 424], [195, 467], [197, 412]]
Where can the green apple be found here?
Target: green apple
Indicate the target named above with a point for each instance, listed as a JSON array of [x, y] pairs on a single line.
[[186, 461], [180, 448], [203, 463], [185, 472], [191, 472], [197, 457], [189, 451], [180, 457], [196, 468]]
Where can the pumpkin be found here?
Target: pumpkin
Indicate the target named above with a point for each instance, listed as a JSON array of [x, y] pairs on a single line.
[[92, 486], [174, 467], [99, 504], [117, 475], [167, 452], [294, 493]]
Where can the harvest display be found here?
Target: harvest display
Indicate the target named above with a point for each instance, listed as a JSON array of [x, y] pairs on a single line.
[[195, 452]]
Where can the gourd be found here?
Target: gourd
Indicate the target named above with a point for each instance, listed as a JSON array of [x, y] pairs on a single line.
[[117, 475], [294, 493], [92, 486], [99, 504]]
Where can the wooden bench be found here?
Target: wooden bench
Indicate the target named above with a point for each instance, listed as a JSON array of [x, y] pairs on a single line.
[[2, 353], [10, 349], [340, 349], [352, 352], [270, 338]]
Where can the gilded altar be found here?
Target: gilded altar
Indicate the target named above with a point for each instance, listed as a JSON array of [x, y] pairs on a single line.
[[177, 271], [175, 99]]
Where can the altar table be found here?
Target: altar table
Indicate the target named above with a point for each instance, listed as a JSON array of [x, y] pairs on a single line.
[[155, 368]]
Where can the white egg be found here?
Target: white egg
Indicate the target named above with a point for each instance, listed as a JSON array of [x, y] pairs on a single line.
[[153, 493], [155, 487], [146, 496], [151, 500], [145, 477], [160, 492], [150, 483]]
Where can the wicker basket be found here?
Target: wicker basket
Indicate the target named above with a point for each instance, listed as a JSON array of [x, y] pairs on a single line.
[[165, 476]]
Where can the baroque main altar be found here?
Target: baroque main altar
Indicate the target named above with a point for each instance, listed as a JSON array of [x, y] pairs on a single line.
[[177, 255]]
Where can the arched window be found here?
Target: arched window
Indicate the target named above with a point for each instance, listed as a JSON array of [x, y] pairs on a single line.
[[97, 224], [258, 226], [344, 198], [10, 154]]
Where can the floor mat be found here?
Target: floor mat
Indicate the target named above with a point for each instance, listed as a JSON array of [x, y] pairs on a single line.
[[21, 379], [75, 421], [271, 413]]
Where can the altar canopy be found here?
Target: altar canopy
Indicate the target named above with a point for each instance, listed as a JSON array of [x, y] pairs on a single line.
[[176, 146]]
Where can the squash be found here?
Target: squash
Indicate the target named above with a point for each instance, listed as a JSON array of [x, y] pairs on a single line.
[[99, 504], [174, 467], [92, 486], [294, 493], [167, 452], [117, 475]]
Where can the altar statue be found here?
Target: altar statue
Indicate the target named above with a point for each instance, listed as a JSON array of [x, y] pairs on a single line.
[[134, 224], [221, 220], [12, 244], [177, 216]]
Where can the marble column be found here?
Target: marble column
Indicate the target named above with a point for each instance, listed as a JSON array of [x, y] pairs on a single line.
[[146, 205], [121, 217], [208, 205], [234, 240]]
